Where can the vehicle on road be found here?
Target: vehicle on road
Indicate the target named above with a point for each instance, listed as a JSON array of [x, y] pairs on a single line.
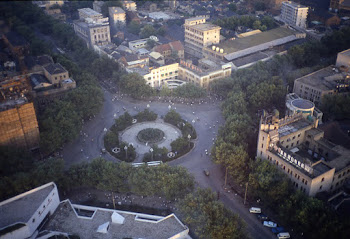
[[103, 150], [255, 210], [277, 230], [269, 224], [262, 217], [206, 172], [283, 235]]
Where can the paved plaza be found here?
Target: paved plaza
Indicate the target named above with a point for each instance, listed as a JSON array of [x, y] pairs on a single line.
[[171, 133]]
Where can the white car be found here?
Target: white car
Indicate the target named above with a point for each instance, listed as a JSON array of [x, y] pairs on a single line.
[[269, 224]]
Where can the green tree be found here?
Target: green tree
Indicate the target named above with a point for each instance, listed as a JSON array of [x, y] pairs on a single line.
[[135, 85], [209, 218], [180, 145], [134, 27], [147, 31]]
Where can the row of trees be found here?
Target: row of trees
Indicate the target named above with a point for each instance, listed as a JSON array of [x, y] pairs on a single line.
[[262, 87], [253, 22]]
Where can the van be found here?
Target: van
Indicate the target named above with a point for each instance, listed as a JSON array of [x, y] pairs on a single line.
[[255, 210], [283, 235]]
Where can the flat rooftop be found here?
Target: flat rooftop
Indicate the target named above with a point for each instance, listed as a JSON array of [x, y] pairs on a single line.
[[346, 52], [293, 127], [9, 104], [22, 207], [65, 220], [294, 4], [205, 27], [317, 79], [238, 44], [90, 12]]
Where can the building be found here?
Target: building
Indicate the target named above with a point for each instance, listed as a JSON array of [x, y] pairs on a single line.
[[173, 75], [298, 148], [92, 27], [141, 43], [343, 59], [295, 104], [55, 73], [39, 204], [46, 217], [11, 87], [326, 81], [130, 61], [199, 34], [248, 44], [171, 49], [336, 5], [117, 16], [97, 5], [129, 6], [294, 14], [18, 124], [206, 72], [46, 5]]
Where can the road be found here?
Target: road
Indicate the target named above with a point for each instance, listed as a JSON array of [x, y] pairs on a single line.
[[90, 143]]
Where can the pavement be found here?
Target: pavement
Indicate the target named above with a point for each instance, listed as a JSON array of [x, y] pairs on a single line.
[[206, 117]]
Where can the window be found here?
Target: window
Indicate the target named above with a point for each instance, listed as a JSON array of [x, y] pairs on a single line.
[[293, 137], [33, 220], [292, 145], [322, 180], [305, 182], [302, 180], [339, 176], [320, 187], [262, 146], [295, 175]]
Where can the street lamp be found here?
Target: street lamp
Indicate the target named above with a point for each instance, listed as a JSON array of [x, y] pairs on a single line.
[[151, 150], [189, 140], [126, 151]]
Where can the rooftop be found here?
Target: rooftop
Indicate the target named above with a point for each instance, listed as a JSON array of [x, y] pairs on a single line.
[[324, 79], [9, 104], [55, 68], [14, 207], [238, 44], [89, 12], [136, 225], [303, 104], [117, 10], [346, 52], [293, 127], [37, 79], [294, 4], [205, 27]]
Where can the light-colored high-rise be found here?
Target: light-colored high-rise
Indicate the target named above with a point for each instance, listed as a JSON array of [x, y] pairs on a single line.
[[294, 14], [199, 34]]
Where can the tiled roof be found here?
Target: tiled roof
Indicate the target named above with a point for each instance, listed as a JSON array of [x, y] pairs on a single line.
[[176, 46], [55, 68]]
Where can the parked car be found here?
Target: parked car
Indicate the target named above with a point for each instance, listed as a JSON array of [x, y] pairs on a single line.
[[255, 210], [283, 235], [277, 230], [206, 172], [269, 224], [262, 217]]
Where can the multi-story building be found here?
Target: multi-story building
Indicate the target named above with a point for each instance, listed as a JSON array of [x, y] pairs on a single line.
[[117, 16], [298, 148], [205, 73], [45, 216], [176, 74], [199, 34], [97, 5], [39, 203], [171, 49], [92, 27], [18, 124], [327, 81], [336, 5], [248, 44], [129, 6], [55, 73], [294, 14]]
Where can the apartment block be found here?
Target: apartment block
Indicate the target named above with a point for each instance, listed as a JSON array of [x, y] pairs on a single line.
[[129, 6], [158, 77], [294, 14], [18, 124], [97, 5], [199, 34], [336, 5], [117, 16], [343, 59], [298, 148], [92, 27], [326, 81]]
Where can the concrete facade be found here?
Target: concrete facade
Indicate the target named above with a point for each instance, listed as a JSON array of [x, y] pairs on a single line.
[[92, 27], [18, 125], [117, 16], [343, 59], [199, 34], [294, 14], [129, 6], [298, 149]]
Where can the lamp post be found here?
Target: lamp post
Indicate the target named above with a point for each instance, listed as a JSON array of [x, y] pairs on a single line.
[[126, 151], [151, 150], [189, 140]]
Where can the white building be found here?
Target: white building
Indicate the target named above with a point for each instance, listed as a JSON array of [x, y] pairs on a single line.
[[21, 215], [294, 14]]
